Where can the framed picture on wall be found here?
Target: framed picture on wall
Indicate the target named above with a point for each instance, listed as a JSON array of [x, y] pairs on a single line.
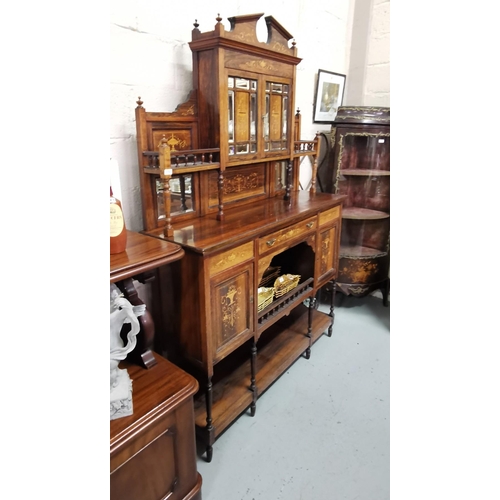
[[329, 95]]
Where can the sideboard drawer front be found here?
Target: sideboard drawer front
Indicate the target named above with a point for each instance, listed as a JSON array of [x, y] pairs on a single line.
[[230, 258], [284, 236], [329, 215]]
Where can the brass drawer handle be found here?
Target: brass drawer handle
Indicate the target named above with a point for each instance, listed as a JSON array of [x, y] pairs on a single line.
[[270, 243], [309, 225]]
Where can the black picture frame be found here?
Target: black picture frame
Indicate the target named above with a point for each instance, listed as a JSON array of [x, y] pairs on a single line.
[[329, 95]]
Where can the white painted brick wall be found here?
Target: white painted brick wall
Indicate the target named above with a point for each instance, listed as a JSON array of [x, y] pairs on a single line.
[[377, 82]]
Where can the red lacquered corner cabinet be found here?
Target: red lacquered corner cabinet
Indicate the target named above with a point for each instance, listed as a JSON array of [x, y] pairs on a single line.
[[361, 172]]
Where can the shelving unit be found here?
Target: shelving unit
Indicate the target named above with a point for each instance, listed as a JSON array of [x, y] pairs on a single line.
[[360, 169]]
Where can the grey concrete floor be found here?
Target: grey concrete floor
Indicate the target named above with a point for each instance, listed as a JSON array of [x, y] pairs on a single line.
[[321, 431]]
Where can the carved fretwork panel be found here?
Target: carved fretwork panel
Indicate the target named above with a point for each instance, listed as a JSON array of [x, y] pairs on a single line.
[[240, 183], [232, 310]]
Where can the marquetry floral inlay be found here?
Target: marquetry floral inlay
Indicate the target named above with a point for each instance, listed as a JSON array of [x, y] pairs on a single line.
[[259, 65], [240, 183], [230, 307], [325, 252]]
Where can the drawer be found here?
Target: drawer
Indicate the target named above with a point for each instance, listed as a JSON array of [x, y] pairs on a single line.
[[284, 236], [329, 215], [230, 258]]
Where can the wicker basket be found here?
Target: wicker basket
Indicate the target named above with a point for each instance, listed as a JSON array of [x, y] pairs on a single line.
[[285, 283], [270, 274], [265, 297]]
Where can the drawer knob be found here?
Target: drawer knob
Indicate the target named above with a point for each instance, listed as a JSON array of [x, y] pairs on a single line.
[[271, 242], [309, 225]]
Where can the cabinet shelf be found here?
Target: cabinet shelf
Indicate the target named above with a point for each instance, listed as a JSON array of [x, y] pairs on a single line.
[[363, 213], [280, 307], [281, 345], [364, 172], [231, 396], [284, 342], [358, 251]]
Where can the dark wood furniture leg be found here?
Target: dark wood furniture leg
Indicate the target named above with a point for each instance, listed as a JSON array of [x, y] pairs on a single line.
[[182, 181], [312, 306], [332, 303], [209, 428], [253, 386], [385, 293]]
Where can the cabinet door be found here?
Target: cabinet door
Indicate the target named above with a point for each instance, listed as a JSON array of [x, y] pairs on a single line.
[[258, 116], [328, 247], [232, 309], [242, 101], [276, 113]]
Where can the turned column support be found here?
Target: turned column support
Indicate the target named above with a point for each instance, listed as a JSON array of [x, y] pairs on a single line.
[[253, 385], [332, 302], [165, 176]]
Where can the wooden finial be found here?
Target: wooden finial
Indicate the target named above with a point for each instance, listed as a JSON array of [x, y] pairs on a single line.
[[218, 18], [139, 102], [195, 24]]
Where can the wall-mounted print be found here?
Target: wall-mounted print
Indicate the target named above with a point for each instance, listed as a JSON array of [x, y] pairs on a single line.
[[329, 95]]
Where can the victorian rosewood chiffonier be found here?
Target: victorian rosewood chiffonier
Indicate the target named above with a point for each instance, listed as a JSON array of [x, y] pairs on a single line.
[[220, 177]]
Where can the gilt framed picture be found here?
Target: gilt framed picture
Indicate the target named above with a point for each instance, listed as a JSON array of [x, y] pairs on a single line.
[[329, 94]]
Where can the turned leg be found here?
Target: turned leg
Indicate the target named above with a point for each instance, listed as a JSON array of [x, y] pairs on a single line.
[[385, 293], [209, 428], [332, 303], [253, 386], [288, 188], [312, 305], [220, 191], [182, 182]]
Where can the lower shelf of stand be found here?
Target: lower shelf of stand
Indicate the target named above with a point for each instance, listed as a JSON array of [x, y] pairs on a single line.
[[278, 348], [282, 344]]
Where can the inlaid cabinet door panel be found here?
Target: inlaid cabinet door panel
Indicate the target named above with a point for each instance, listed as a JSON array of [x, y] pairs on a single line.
[[232, 309], [328, 245]]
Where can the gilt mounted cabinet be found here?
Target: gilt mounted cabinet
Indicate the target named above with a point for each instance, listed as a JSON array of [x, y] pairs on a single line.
[[220, 177], [361, 172]]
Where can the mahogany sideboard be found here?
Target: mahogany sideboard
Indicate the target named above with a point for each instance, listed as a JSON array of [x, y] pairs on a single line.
[[152, 451]]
